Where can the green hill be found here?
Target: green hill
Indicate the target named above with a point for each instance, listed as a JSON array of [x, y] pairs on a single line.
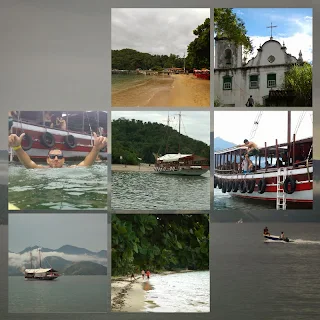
[[85, 268], [133, 139]]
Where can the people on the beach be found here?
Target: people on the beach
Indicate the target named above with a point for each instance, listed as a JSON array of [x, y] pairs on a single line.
[[266, 231], [250, 102], [55, 158], [142, 274], [148, 274]]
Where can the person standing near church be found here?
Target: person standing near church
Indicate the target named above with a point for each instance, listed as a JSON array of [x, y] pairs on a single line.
[[250, 102]]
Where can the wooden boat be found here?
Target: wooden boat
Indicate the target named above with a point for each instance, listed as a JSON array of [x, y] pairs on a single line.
[[289, 180], [75, 140], [181, 164], [40, 273]]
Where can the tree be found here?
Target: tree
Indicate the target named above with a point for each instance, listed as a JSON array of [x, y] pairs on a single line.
[[227, 24], [299, 79], [199, 49]]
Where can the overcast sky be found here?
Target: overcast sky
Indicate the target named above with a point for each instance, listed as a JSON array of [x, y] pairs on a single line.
[[52, 231], [194, 124], [235, 126], [155, 30]]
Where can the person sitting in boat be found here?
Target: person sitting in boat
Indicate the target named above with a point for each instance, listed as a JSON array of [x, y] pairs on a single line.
[[253, 149], [55, 158], [266, 231], [282, 237]]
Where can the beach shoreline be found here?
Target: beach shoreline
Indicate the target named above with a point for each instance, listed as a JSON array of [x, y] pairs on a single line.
[[176, 90], [144, 167], [129, 295]]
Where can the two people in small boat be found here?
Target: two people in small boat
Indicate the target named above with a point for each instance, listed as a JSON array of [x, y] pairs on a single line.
[[55, 157]]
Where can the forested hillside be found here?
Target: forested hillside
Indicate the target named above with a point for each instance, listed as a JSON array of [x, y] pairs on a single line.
[[159, 242], [133, 139]]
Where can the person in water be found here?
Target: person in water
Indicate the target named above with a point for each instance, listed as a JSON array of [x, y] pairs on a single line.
[[266, 231], [55, 158], [253, 149]]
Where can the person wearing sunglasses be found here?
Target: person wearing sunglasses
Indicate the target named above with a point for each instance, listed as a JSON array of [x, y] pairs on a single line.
[[55, 158]]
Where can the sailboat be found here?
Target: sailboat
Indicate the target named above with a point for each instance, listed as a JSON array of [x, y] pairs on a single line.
[[40, 273], [181, 164]]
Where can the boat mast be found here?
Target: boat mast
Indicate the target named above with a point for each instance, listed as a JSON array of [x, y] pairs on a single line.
[[289, 134], [30, 259], [39, 258]]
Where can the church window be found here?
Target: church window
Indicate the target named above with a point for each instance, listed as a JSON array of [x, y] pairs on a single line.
[[227, 83], [228, 56], [271, 80], [254, 82]]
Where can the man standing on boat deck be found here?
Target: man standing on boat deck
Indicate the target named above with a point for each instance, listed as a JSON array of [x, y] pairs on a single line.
[[55, 158], [253, 149]]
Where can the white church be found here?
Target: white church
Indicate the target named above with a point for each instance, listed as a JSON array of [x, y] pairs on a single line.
[[235, 79]]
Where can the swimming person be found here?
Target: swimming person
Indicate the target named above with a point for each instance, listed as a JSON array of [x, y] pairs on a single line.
[[55, 158]]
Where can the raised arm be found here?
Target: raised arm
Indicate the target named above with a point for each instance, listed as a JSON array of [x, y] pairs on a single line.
[[98, 144], [15, 144]]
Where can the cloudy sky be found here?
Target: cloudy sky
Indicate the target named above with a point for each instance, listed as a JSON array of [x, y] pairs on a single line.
[[155, 30], [194, 124], [235, 126], [52, 231], [294, 28]]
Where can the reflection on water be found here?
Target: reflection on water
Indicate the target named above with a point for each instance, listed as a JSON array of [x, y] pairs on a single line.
[[63, 188], [148, 190]]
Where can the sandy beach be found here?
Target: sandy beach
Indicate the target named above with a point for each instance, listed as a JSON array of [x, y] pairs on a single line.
[[144, 167], [177, 90]]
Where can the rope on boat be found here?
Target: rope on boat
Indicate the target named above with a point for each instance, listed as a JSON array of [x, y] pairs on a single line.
[[299, 121]]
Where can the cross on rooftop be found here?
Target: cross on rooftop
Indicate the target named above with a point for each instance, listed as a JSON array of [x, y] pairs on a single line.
[[271, 29]]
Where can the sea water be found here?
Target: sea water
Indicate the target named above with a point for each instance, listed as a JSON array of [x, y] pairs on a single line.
[[180, 292], [58, 188]]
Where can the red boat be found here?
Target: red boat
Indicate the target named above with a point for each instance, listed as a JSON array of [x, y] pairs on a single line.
[[74, 138], [287, 180]]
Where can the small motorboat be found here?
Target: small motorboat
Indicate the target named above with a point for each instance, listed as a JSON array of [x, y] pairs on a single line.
[[276, 238]]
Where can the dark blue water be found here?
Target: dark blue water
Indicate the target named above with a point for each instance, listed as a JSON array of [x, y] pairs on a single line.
[[256, 280]]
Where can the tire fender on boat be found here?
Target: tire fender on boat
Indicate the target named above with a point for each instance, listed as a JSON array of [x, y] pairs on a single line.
[[220, 183], [29, 142], [70, 141], [47, 139], [292, 182], [224, 186], [229, 185], [243, 186], [262, 184], [251, 185], [215, 181], [235, 185]]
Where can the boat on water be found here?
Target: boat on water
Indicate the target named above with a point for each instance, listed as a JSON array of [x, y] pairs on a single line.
[[181, 164], [276, 238], [69, 131], [282, 173], [40, 273]]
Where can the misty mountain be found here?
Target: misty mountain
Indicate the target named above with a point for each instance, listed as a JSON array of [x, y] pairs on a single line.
[[68, 249], [85, 268], [220, 144]]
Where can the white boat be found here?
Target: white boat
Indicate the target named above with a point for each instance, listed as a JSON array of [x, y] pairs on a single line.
[[40, 273], [276, 238], [181, 164]]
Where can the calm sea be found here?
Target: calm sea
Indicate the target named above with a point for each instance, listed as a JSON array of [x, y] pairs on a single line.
[[181, 292], [66, 294], [148, 190], [256, 280], [124, 81], [63, 188]]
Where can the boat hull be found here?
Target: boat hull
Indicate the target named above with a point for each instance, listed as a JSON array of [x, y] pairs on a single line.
[[303, 193], [276, 238], [84, 142]]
